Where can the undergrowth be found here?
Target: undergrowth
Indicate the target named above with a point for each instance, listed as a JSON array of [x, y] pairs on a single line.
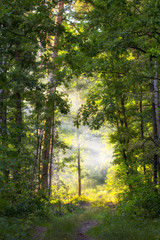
[[110, 226], [64, 227], [122, 227], [62, 218]]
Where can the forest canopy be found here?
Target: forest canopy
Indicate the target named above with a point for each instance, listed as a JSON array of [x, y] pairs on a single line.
[[108, 53]]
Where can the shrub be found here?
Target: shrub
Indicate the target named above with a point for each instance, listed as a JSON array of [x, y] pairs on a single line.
[[145, 201]]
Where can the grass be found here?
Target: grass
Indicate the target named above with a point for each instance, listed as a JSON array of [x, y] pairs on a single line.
[[111, 225], [64, 227], [114, 227]]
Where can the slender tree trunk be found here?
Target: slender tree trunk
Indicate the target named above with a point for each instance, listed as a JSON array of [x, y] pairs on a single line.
[[78, 148], [58, 168], [142, 128], [79, 163], [3, 106], [18, 121], [127, 160], [40, 158], [156, 102], [51, 158], [3, 125], [3, 116], [37, 156], [124, 113], [155, 138], [156, 120], [50, 121], [53, 80], [46, 154], [124, 124]]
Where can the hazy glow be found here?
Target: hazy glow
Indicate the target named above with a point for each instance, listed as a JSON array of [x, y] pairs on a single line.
[[94, 152]]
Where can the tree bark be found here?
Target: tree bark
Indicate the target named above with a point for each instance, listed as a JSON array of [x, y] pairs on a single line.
[[3, 116], [40, 158], [47, 168], [79, 164], [156, 102], [142, 128], [18, 121], [157, 118], [156, 121], [3, 125], [46, 154], [155, 138], [154, 89]]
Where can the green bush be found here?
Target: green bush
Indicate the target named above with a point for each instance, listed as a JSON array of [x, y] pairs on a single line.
[[27, 205], [15, 228], [145, 202]]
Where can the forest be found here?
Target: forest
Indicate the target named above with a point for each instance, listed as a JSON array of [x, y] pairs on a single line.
[[79, 120]]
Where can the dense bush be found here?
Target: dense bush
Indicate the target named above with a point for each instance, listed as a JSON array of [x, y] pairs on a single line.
[[20, 215], [145, 202], [26, 205], [15, 228]]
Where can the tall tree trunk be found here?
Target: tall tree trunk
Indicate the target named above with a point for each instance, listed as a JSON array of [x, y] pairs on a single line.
[[124, 113], [142, 128], [155, 135], [156, 102], [78, 147], [51, 157], [18, 121], [155, 120], [47, 167], [127, 160], [58, 169], [79, 164], [3, 116], [40, 158], [124, 124], [3, 125], [46, 154], [155, 167], [35, 167], [3, 104]]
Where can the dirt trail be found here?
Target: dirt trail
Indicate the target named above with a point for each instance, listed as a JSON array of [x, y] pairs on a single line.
[[39, 233], [81, 232], [82, 229], [85, 227]]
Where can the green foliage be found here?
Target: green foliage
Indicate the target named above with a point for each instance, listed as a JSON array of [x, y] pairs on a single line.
[[15, 228], [114, 44], [56, 231], [27, 205], [27, 101], [65, 227], [143, 201], [79, 200], [121, 44], [118, 227]]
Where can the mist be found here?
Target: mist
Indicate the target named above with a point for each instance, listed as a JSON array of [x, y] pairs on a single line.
[[95, 150]]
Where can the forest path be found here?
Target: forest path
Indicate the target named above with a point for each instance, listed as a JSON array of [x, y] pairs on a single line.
[[72, 227], [85, 227]]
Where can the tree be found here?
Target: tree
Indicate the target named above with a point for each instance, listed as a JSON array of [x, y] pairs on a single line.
[[117, 46]]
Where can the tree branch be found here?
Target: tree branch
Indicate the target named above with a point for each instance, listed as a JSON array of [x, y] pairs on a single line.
[[20, 35]]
